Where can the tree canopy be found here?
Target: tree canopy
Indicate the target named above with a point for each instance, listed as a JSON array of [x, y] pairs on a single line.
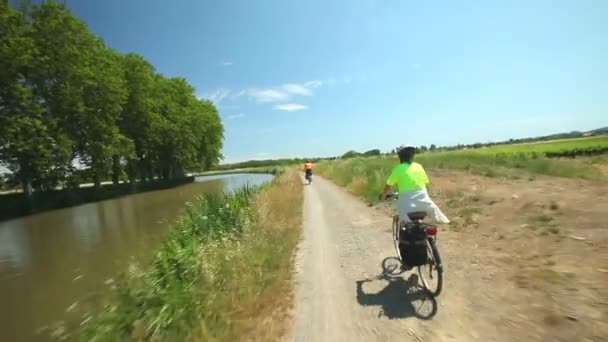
[[67, 99]]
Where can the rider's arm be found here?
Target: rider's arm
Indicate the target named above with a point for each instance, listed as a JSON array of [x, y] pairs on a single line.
[[385, 191], [390, 182]]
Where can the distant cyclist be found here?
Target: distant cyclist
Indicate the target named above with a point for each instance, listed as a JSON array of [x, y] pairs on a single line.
[[308, 169], [411, 180]]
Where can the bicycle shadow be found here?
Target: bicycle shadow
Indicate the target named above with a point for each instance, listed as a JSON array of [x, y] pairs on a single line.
[[400, 298]]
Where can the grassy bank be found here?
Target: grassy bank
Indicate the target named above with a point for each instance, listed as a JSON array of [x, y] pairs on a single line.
[[223, 274], [14, 205]]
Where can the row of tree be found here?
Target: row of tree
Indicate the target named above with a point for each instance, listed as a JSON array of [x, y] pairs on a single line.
[[68, 102]]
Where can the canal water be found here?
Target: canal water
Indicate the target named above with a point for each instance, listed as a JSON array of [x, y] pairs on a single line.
[[55, 264]]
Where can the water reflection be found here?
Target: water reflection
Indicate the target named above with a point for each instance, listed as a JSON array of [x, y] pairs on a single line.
[[14, 249], [51, 260]]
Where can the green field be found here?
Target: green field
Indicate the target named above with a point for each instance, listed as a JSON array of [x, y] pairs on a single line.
[[550, 146], [530, 157], [366, 176]]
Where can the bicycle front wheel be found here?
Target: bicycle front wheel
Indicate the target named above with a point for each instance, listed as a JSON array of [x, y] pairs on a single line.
[[431, 273]]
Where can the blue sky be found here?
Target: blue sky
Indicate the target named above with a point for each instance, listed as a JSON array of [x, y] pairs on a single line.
[[318, 78]]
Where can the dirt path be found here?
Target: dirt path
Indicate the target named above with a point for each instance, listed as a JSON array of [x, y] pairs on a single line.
[[341, 295]]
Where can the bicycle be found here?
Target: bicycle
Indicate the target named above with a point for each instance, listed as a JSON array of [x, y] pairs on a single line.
[[433, 263], [309, 176]]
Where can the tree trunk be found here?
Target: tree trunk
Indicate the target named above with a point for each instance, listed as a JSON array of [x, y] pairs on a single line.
[[179, 172], [26, 186], [24, 176], [96, 180], [132, 171], [116, 169], [170, 173], [141, 169]]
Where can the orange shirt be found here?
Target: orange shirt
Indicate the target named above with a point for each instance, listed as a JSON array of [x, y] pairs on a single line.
[[307, 166]]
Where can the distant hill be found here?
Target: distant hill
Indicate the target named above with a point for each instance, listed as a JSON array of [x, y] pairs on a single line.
[[575, 134], [557, 136], [599, 131]]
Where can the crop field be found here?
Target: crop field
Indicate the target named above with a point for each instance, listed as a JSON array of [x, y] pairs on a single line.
[[572, 158], [555, 148], [511, 161]]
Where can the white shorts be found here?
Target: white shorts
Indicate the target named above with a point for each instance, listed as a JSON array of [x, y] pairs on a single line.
[[419, 200]]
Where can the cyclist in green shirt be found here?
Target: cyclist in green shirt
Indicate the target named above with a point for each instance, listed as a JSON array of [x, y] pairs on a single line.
[[412, 181]]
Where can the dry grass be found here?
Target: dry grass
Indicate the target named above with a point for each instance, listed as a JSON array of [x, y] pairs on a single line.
[[261, 294], [539, 277], [281, 210], [357, 185]]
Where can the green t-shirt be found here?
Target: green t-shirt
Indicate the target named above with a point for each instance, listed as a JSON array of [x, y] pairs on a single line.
[[408, 177]]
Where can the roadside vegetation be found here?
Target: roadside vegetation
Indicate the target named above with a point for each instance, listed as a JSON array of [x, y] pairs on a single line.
[[223, 273], [73, 110], [366, 176]]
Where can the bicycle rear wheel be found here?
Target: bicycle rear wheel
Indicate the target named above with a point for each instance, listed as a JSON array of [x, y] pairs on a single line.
[[431, 274]]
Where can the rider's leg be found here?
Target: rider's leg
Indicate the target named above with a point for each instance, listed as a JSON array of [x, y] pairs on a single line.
[[402, 209]]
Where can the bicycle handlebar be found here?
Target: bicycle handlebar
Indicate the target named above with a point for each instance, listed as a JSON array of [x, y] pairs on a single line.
[[392, 195]]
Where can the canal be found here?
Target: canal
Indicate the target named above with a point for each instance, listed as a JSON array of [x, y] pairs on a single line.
[[54, 266]]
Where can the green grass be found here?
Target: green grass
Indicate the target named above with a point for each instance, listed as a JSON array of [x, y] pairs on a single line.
[[504, 159], [366, 176], [221, 273], [507, 165], [549, 146]]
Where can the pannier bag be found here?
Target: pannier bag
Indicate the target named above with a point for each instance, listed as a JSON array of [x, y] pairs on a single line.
[[412, 243]]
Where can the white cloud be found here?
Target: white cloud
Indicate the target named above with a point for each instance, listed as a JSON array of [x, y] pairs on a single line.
[[235, 116], [313, 84], [216, 96], [267, 95], [282, 92], [226, 63], [290, 107], [296, 89]]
